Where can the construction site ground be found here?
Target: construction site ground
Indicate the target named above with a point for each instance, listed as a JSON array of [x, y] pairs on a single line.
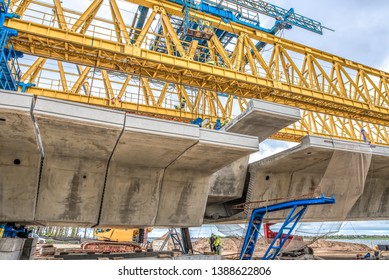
[[323, 249]]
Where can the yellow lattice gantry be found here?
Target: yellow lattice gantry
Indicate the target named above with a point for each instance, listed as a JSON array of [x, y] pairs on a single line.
[[98, 56]]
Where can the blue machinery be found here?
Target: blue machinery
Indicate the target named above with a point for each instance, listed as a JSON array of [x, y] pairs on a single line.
[[297, 210], [182, 243], [245, 12], [9, 67]]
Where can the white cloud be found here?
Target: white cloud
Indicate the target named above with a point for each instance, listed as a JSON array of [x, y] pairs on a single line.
[[271, 147]]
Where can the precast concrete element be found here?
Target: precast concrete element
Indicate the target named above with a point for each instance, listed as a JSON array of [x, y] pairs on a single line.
[[78, 141], [186, 181], [263, 119], [89, 166], [228, 183], [20, 158], [300, 170], [146, 148], [374, 203]]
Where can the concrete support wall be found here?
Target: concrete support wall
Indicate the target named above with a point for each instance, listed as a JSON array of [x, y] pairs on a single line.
[[299, 171], [19, 158], [78, 141], [228, 183], [146, 148], [105, 168]]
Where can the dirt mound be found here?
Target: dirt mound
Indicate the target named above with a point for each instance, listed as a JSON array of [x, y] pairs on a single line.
[[233, 245], [327, 245]]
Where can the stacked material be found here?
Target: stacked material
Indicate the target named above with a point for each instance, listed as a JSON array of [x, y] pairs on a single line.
[[11, 248]]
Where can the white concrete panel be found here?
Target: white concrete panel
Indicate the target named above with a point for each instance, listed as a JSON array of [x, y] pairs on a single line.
[[263, 119]]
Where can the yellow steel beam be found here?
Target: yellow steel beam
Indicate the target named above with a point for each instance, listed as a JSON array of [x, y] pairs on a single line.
[[145, 28], [81, 49], [62, 75], [80, 81], [119, 22], [34, 70], [148, 93], [123, 88], [107, 85], [59, 13], [87, 16], [22, 7]]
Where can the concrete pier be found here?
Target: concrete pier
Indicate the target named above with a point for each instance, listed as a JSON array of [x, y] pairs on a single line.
[[20, 158]]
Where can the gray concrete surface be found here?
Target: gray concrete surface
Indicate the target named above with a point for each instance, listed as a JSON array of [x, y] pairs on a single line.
[[102, 167], [186, 182], [19, 160], [78, 141], [300, 171], [263, 119], [146, 148]]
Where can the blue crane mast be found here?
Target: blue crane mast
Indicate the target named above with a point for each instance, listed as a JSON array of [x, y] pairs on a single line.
[[245, 12], [9, 67]]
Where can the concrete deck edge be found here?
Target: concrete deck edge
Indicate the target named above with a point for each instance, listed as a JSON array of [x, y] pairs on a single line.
[[335, 144], [222, 138], [161, 127], [265, 107], [10, 100], [77, 111]]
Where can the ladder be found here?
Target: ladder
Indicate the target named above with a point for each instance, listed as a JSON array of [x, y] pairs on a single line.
[[177, 242]]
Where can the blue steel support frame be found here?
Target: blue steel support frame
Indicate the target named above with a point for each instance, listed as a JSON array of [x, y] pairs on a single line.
[[177, 243], [289, 225], [10, 73], [140, 21]]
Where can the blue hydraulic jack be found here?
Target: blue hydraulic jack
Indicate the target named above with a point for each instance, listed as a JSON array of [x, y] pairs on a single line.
[[298, 208]]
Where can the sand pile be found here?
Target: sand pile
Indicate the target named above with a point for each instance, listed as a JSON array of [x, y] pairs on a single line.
[[328, 245], [233, 245]]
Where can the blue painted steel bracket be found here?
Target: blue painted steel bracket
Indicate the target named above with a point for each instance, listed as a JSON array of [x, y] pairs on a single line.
[[9, 68], [298, 208]]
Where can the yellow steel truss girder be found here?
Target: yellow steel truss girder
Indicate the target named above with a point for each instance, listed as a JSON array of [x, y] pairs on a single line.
[[209, 103], [377, 134], [235, 28], [132, 107], [60, 44]]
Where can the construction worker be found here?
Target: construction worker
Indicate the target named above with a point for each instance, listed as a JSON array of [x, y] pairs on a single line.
[[217, 125], [198, 121], [182, 104], [211, 243], [226, 121], [210, 61], [218, 245]]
